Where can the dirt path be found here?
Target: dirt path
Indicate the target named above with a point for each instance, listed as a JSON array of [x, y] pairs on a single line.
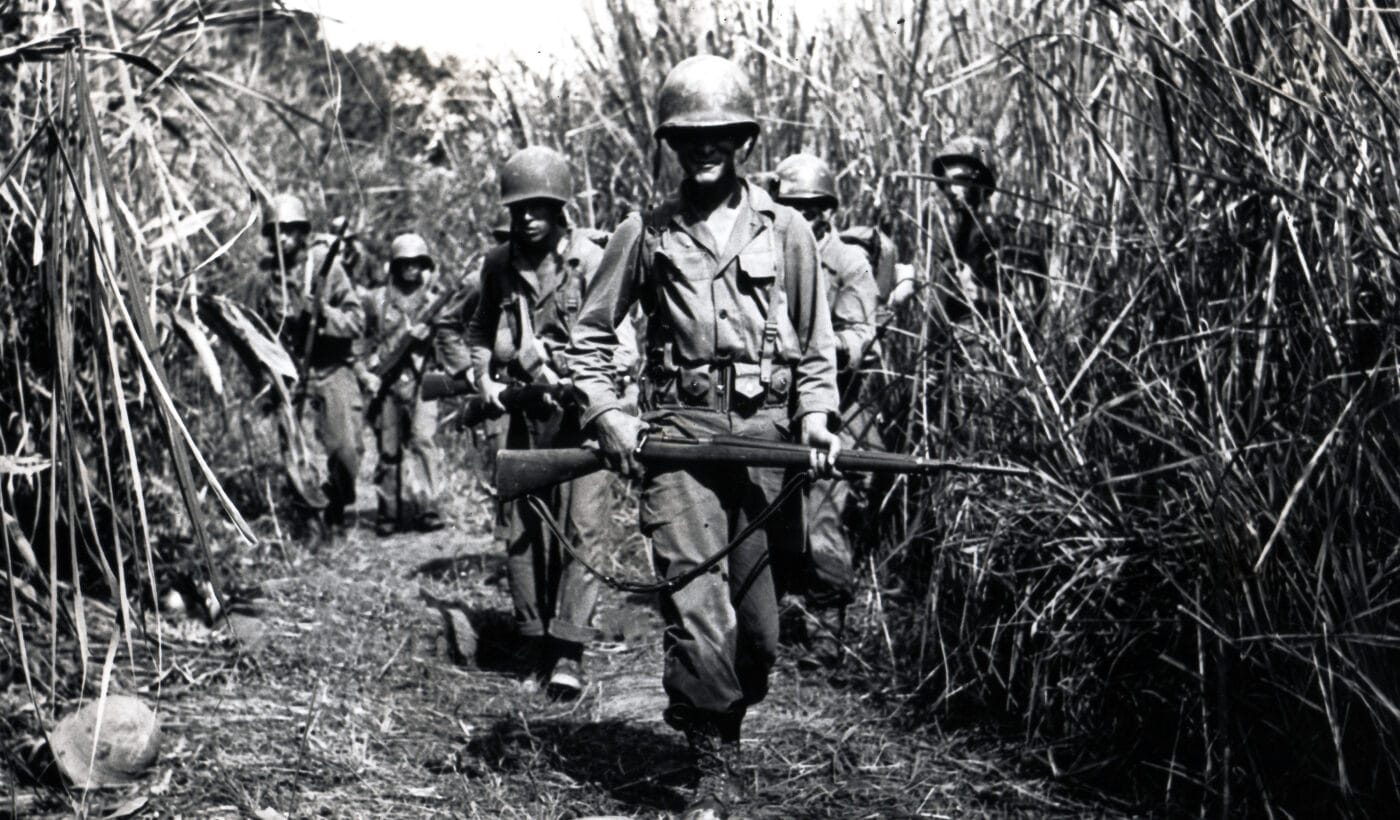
[[343, 700], [345, 703]]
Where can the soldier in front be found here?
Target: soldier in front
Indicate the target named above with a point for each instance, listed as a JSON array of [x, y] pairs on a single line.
[[738, 341]]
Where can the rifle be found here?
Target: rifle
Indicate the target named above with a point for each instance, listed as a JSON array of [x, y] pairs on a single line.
[[531, 398], [390, 365], [318, 293], [523, 472]]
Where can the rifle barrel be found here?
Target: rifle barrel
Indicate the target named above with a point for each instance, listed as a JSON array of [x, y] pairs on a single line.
[[521, 472]]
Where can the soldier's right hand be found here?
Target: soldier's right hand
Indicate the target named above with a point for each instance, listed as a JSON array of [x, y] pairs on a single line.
[[904, 287], [491, 391], [618, 436]]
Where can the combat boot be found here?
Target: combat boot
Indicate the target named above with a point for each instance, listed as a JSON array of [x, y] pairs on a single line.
[[566, 680], [714, 753]]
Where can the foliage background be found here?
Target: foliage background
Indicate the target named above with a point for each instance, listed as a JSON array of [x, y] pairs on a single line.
[[1194, 606]]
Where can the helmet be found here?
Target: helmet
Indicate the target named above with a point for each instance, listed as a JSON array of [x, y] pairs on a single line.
[[284, 209], [407, 246], [803, 176], [536, 172], [705, 91], [968, 150], [115, 752]]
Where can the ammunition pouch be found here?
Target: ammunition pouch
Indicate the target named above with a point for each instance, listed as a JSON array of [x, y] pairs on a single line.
[[726, 387]]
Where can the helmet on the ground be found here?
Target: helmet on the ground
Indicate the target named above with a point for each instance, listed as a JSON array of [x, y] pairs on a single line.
[[118, 750], [705, 91], [536, 172], [410, 246], [284, 209], [974, 152], [803, 176]]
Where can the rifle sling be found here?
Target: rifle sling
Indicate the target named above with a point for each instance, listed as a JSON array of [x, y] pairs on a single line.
[[670, 585]]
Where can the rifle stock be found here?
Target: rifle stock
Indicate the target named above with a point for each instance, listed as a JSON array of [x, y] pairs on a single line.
[[523, 472]]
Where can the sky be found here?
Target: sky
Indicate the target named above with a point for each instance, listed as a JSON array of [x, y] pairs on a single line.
[[532, 29], [535, 30]]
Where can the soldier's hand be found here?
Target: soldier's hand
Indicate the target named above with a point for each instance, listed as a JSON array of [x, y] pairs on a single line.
[[903, 289], [826, 446], [618, 435], [419, 331], [370, 382], [491, 391]]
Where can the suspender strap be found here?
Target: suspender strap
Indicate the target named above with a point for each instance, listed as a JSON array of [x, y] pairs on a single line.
[[768, 346]]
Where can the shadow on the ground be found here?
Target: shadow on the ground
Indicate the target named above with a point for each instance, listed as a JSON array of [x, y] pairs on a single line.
[[499, 648], [634, 765]]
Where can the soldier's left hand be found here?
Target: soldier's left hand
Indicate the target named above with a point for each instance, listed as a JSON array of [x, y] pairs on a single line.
[[419, 331], [826, 446]]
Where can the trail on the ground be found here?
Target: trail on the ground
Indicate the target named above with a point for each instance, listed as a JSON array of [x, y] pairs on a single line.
[[345, 702]]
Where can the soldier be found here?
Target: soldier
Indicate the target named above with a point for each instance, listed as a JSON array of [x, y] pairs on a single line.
[[738, 341], [981, 260], [531, 291], [983, 264], [404, 424], [297, 304], [827, 577]]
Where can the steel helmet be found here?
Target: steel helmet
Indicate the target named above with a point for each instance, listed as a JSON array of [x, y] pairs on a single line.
[[536, 172], [803, 176], [409, 246], [117, 751], [974, 152], [284, 209], [705, 91]]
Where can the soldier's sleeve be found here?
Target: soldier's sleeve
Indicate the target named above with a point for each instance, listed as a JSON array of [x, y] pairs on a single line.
[[342, 312], [481, 327], [853, 311], [594, 341], [811, 317], [626, 356], [449, 330]]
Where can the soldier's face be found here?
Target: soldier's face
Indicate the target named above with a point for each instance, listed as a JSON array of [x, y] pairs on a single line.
[[963, 189], [817, 212], [290, 239], [532, 220], [411, 271], [707, 155]]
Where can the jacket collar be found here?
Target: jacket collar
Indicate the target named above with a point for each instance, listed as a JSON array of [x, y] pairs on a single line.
[[566, 258], [757, 212]]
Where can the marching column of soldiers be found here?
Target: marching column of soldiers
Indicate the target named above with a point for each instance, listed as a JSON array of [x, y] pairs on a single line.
[[730, 309]]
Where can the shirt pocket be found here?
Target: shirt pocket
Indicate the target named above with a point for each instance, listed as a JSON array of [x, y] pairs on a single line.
[[757, 275], [685, 263]]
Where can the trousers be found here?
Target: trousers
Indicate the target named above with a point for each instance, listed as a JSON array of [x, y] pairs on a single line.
[[831, 506], [336, 406], [553, 594], [721, 628], [406, 471]]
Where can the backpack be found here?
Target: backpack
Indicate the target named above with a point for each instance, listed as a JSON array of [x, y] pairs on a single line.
[[880, 250]]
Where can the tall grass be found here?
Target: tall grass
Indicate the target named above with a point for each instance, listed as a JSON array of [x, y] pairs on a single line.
[[1196, 606], [1193, 604]]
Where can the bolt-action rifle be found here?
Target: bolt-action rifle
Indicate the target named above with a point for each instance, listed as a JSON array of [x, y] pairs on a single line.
[[536, 400], [391, 363], [524, 472]]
